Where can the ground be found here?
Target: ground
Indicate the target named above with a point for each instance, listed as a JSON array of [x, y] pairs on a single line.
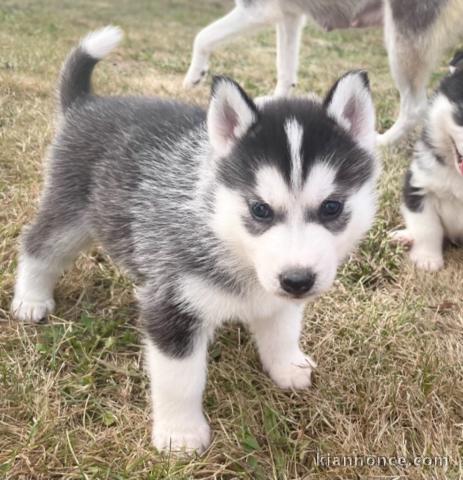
[[73, 396]]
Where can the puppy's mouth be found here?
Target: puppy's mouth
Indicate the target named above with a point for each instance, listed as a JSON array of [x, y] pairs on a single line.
[[458, 158], [299, 298]]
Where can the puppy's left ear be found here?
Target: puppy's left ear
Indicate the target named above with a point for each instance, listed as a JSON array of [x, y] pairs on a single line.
[[231, 114], [350, 103]]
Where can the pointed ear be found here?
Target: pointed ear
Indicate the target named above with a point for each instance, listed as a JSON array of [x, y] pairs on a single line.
[[350, 103], [231, 114]]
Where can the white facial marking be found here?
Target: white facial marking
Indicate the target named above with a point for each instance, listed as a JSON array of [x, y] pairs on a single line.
[[295, 132], [272, 188], [319, 184]]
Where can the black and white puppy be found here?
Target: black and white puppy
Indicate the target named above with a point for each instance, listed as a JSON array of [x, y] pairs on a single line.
[[239, 212], [433, 190]]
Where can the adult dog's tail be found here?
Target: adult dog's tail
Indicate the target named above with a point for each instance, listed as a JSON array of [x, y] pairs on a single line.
[[78, 67]]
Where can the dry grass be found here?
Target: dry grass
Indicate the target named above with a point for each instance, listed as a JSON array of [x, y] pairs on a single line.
[[73, 398]]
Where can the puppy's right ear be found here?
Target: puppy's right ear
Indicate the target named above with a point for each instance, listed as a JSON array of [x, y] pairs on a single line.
[[231, 114]]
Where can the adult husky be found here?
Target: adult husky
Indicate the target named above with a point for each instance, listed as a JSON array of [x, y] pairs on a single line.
[[241, 212], [416, 33]]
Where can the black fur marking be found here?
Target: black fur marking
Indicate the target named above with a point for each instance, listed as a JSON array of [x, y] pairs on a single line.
[[266, 144], [452, 87], [335, 226], [171, 328], [414, 16], [412, 197], [457, 60], [75, 77]]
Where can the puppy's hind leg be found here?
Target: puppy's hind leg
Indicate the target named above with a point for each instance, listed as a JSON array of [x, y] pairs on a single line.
[[239, 20], [49, 245], [289, 31], [277, 339]]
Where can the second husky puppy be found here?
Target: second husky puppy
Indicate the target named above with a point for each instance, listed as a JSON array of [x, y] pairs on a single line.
[[241, 212], [433, 191]]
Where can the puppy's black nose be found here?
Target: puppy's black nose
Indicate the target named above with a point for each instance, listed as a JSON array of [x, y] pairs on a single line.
[[297, 282]]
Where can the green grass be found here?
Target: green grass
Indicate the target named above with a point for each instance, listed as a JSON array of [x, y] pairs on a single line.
[[73, 396]]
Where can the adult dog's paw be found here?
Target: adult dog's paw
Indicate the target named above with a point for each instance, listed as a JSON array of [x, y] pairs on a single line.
[[194, 76], [186, 439], [293, 374]]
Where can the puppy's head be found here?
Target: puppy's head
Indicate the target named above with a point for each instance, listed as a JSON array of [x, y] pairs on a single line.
[[444, 128], [295, 181]]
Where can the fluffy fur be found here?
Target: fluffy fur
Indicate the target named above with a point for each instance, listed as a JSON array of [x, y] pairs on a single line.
[[239, 212], [433, 189], [416, 33]]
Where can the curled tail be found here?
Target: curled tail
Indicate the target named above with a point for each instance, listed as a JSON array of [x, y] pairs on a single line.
[[78, 67]]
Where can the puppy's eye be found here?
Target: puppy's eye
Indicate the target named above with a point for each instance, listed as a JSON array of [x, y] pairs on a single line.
[[330, 210], [262, 212]]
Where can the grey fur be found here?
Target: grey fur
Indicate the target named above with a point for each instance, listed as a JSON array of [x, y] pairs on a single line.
[[137, 175], [415, 16]]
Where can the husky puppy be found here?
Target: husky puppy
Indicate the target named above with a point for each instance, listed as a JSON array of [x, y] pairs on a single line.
[[416, 33], [433, 190], [238, 212]]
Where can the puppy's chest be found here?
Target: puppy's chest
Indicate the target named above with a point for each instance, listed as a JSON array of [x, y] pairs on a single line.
[[216, 306]]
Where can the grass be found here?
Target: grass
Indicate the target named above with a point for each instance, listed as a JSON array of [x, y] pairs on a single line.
[[73, 395]]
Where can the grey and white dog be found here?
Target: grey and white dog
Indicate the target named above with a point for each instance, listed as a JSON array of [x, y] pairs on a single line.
[[433, 190], [241, 212], [416, 33]]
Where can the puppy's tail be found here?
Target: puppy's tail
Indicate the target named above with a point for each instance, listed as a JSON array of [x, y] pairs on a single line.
[[78, 67]]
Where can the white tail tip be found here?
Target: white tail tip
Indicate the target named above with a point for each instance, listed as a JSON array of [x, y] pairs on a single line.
[[100, 42]]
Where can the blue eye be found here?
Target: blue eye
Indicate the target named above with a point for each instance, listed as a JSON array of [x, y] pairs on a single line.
[[262, 212], [330, 209]]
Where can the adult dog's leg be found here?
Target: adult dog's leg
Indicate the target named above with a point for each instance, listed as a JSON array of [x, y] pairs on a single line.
[[238, 21], [411, 61], [289, 31]]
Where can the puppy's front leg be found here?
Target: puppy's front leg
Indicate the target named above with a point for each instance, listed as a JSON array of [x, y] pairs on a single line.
[[277, 339], [176, 358], [424, 233]]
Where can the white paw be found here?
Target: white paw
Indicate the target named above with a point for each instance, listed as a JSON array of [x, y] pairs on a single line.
[[31, 311], [402, 237], [295, 374], [190, 438], [194, 76], [427, 260]]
